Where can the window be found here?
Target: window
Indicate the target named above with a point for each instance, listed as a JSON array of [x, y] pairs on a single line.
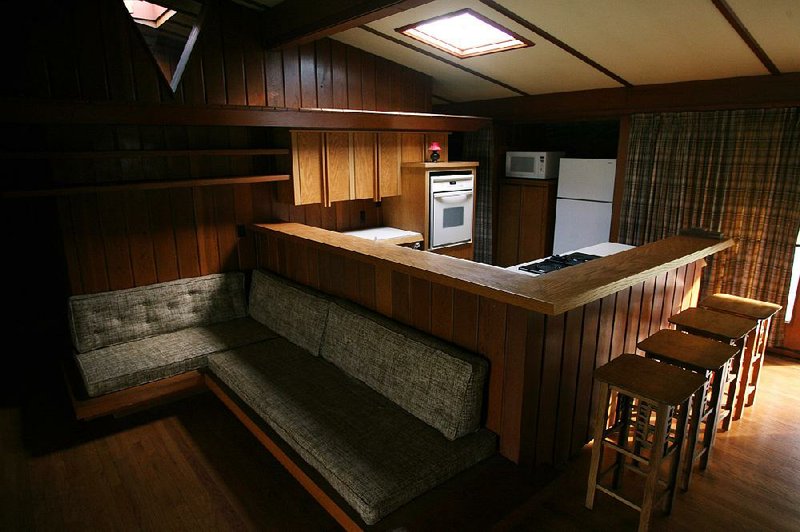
[[152, 15], [790, 307], [464, 33]]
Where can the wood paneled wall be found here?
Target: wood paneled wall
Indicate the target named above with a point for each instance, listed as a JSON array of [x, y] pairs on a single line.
[[90, 50], [541, 388]]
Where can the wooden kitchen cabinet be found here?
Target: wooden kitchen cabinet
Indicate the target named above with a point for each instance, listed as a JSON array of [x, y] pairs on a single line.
[[365, 160], [308, 166], [410, 210], [338, 167], [388, 183], [345, 165], [526, 220]]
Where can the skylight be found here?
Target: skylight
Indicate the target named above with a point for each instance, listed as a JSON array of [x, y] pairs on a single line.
[[147, 13], [464, 33]]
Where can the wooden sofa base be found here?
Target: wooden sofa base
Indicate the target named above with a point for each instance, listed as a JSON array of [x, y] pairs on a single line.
[[314, 489], [131, 399]]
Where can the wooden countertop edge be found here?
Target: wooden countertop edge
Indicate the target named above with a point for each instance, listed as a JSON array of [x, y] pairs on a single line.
[[553, 294], [405, 239]]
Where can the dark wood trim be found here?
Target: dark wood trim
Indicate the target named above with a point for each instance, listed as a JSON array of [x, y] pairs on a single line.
[[561, 44], [122, 154], [147, 185], [64, 112], [302, 21], [619, 178], [730, 93], [130, 399], [313, 489], [737, 24], [188, 48], [444, 60]]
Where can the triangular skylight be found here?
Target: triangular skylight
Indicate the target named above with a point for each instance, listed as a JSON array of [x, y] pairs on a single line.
[[170, 32], [464, 33]]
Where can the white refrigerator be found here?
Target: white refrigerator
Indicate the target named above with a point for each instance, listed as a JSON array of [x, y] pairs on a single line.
[[583, 205]]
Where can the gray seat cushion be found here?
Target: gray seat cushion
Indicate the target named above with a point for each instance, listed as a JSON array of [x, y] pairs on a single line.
[[294, 312], [373, 453], [437, 382], [109, 318], [119, 366]]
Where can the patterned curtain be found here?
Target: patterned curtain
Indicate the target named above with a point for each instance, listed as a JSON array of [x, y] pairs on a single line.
[[737, 172], [479, 146]]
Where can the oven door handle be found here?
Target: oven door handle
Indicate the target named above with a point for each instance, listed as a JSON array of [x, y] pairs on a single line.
[[450, 197]]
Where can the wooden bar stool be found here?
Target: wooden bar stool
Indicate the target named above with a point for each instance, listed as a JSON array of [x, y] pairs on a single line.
[[642, 387], [753, 359], [708, 358], [723, 327]]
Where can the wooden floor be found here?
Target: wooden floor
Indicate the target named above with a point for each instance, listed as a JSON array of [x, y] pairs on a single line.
[[190, 465]]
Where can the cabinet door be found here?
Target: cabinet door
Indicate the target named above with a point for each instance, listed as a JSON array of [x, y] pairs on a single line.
[[388, 164], [534, 225], [508, 223], [307, 167], [338, 166], [526, 221], [364, 165]]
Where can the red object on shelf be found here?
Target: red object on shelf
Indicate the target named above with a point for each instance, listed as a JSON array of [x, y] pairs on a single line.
[[434, 148]]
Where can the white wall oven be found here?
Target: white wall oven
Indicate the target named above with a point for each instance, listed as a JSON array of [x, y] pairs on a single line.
[[451, 205]]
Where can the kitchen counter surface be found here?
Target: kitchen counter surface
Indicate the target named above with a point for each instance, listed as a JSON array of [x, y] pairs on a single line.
[[387, 235], [554, 293], [603, 249]]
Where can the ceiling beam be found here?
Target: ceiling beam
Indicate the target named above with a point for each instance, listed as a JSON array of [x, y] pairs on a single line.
[[301, 21], [729, 93], [737, 24], [558, 42]]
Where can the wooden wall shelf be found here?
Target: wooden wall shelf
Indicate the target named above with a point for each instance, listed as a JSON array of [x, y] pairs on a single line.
[[443, 165], [122, 154], [55, 112], [146, 185]]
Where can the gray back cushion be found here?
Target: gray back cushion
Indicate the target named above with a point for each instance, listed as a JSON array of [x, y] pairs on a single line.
[[435, 381], [294, 312], [110, 318]]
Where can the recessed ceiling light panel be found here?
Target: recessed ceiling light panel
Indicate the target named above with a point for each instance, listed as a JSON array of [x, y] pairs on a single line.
[[464, 33]]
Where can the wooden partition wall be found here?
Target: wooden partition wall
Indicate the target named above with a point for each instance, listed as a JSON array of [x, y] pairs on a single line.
[[540, 391], [90, 50]]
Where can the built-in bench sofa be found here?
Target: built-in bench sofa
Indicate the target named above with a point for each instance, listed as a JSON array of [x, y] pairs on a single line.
[[365, 412]]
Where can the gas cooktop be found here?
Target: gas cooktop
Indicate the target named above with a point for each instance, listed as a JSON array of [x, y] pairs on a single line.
[[556, 262]]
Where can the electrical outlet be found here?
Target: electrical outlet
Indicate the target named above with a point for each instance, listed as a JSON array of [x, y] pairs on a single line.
[[362, 216]]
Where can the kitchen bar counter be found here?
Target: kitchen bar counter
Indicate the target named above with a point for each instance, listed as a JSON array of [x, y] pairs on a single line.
[[551, 294], [542, 335]]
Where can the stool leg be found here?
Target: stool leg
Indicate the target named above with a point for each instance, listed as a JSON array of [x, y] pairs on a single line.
[[698, 408], [735, 375], [761, 351], [680, 434], [748, 358], [656, 455], [623, 417], [600, 418], [720, 376]]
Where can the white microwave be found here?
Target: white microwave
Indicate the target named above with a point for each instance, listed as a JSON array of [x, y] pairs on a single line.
[[533, 164]]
